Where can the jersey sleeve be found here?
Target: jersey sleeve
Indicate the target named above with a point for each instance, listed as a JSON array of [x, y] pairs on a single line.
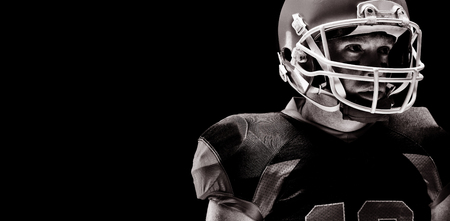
[[211, 180], [209, 175], [215, 145]]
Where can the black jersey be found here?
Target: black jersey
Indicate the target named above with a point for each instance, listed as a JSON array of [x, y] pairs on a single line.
[[275, 166]]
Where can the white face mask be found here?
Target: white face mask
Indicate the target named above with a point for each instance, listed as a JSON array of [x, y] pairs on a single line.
[[389, 18]]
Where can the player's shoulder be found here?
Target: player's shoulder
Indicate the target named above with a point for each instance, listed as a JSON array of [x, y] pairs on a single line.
[[417, 124], [232, 154], [417, 117], [241, 123], [228, 135]]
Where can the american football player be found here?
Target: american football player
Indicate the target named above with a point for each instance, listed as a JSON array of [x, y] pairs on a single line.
[[351, 147]]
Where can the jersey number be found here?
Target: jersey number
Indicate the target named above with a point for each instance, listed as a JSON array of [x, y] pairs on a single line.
[[370, 211]]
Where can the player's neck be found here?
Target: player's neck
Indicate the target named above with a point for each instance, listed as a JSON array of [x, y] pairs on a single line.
[[332, 120]]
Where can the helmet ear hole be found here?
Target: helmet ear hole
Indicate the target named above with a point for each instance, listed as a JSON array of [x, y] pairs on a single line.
[[287, 54]]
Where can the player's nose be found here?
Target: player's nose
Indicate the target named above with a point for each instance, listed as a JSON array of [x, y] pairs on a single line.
[[373, 58]]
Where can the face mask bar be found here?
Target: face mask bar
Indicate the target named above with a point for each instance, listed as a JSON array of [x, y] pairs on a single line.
[[409, 100], [412, 74]]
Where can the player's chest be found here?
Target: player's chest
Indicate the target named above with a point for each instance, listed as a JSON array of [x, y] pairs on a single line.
[[358, 186]]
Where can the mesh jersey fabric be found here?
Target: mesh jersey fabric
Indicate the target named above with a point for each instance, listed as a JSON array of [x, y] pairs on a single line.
[[274, 166]]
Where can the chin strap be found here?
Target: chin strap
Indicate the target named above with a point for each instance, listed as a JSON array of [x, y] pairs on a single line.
[[302, 86], [349, 113], [319, 90]]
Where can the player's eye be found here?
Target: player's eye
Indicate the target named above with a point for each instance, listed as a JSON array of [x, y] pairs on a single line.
[[384, 50], [355, 48]]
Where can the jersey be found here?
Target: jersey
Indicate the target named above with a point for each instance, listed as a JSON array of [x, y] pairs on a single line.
[[275, 166]]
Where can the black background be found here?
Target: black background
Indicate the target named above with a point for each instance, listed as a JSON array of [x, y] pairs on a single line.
[[223, 61]]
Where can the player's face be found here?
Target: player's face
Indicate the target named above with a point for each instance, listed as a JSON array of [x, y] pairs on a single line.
[[368, 50]]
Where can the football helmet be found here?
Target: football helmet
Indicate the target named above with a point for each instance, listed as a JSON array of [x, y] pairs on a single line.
[[304, 28]]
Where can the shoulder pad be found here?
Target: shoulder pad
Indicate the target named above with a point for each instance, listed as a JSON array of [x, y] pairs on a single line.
[[243, 145], [417, 123], [235, 133], [218, 142], [227, 135]]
